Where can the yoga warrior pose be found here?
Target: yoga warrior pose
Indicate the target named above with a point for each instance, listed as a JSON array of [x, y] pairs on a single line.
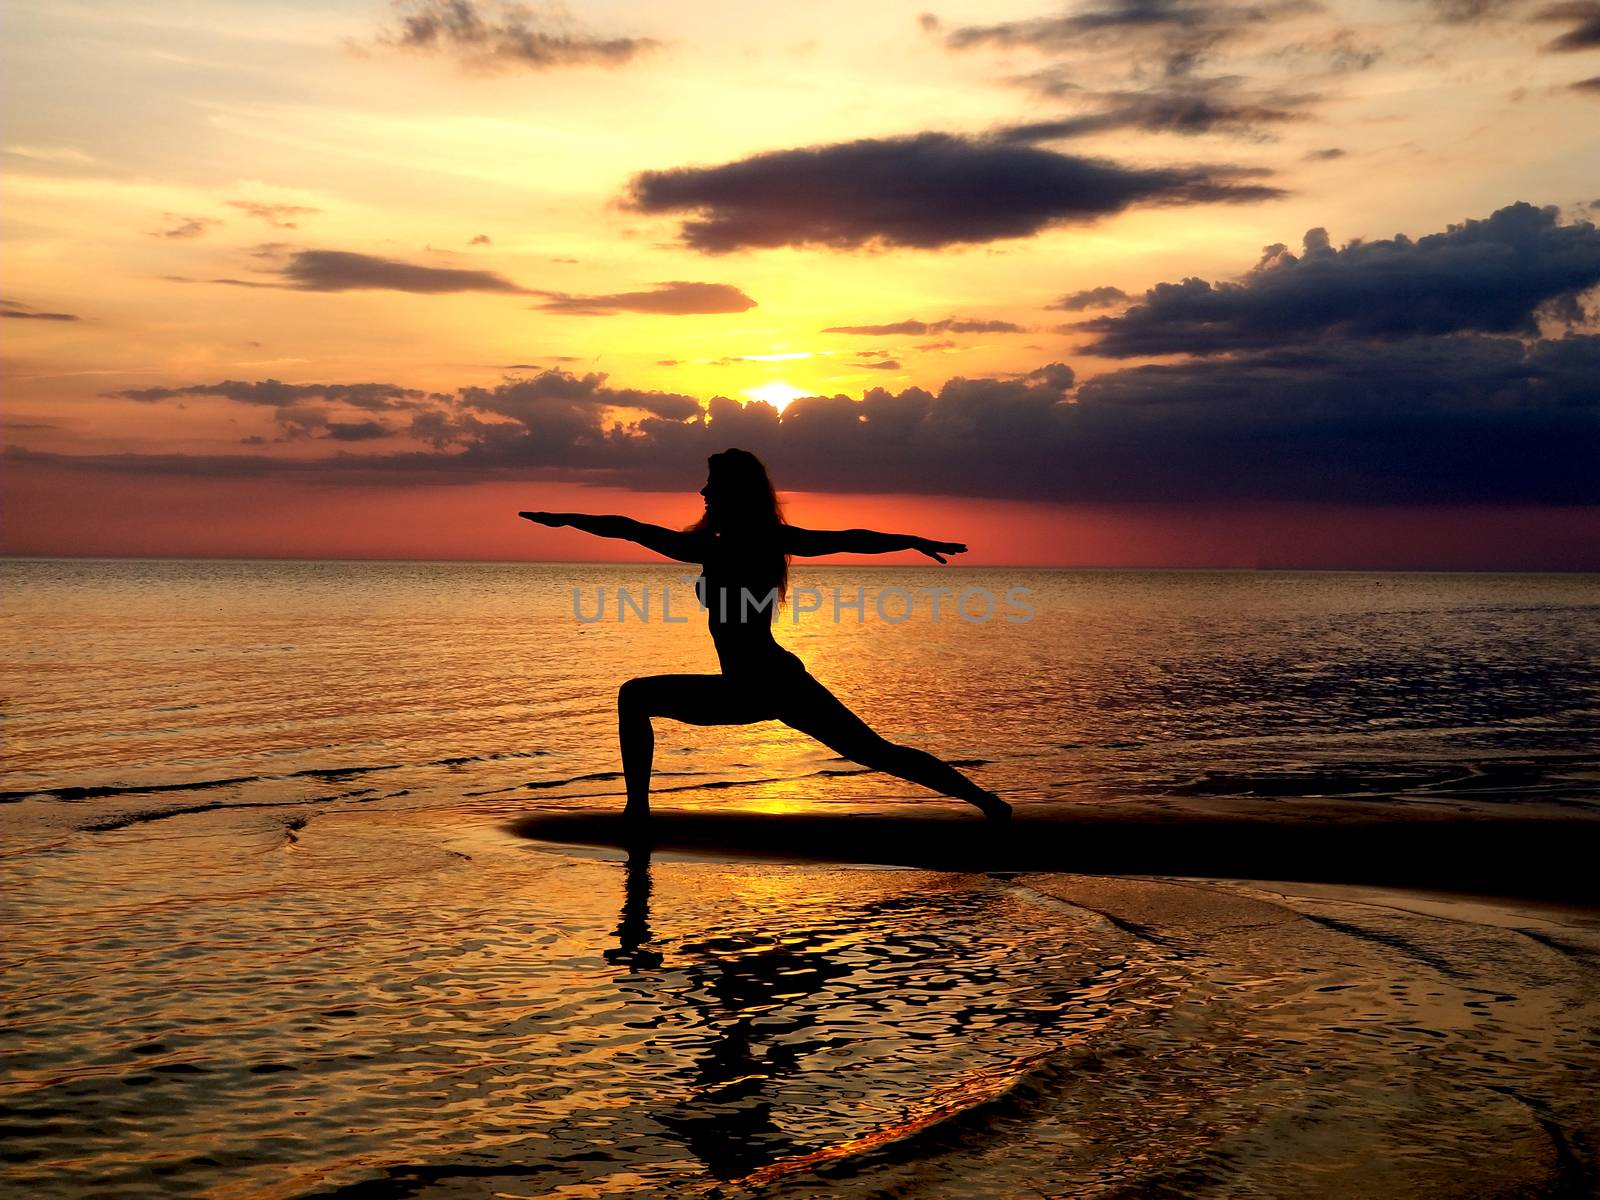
[[743, 546]]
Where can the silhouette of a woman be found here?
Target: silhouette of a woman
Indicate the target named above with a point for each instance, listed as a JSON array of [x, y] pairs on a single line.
[[742, 545]]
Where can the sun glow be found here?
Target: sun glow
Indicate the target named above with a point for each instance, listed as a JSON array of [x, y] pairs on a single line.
[[777, 393]]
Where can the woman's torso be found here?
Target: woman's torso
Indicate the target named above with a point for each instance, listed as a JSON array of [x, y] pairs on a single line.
[[739, 587]]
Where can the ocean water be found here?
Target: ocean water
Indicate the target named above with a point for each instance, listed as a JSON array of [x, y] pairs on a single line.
[[173, 677], [271, 931]]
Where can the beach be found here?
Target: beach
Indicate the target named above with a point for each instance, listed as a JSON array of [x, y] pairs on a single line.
[[303, 899]]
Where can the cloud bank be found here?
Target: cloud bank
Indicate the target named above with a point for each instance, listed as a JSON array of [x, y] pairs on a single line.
[[1488, 276], [1402, 371]]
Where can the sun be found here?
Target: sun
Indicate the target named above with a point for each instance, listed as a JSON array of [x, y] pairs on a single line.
[[777, 393]]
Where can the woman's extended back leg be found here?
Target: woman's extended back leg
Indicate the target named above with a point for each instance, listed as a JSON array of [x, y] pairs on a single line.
[[692, 699], [817, 712]]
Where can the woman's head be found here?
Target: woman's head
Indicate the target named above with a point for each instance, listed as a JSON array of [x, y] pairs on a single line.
[[738, 493], [741, 501]]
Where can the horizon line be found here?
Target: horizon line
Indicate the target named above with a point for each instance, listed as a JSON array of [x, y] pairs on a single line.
[[883, 566]]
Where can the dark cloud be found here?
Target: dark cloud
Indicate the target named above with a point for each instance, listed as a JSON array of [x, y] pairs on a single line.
[[880, 364], [1471, 12], [1582, 15], [1136, 65], [273, 393], [345, 271], [1488, 276], [674, 298], [925, 191], [341, 270], [492, 36], [1208, 106], [1178, 34], [18, 311], [279, 216], [920, 328], [1057, 376], [1096, 297], [1468, 12], [481, 239], [310, 421], [185, 227], [357, 431], [1587, 85], [1327, 155]]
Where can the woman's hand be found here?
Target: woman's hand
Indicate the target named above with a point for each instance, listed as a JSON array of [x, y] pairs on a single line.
[[937, 550], [554, 520]]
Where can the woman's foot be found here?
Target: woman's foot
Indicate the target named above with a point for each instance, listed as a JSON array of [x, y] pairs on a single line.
[[996, 809]]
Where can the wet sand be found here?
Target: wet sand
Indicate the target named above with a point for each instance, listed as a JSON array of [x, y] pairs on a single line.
[[1309, 1047], [404, 1000]]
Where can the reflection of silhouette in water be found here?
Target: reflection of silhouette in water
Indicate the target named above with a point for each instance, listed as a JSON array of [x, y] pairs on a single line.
[[743, 546], [633, 927], [788, 1031], [727, 1120]]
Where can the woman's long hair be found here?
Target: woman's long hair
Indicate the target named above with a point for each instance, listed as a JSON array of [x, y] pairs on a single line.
[[748, 509]]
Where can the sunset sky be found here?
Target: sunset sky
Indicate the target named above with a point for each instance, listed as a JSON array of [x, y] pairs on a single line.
[[1122, 282]]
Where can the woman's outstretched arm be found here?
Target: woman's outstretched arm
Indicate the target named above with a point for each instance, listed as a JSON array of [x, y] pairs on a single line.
[[811, 543], [685, 547]]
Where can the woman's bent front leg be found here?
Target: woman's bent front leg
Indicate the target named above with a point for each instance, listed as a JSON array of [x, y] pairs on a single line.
[[692, 699]]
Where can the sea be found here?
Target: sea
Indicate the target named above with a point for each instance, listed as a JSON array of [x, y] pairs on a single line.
[[273, 928]]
